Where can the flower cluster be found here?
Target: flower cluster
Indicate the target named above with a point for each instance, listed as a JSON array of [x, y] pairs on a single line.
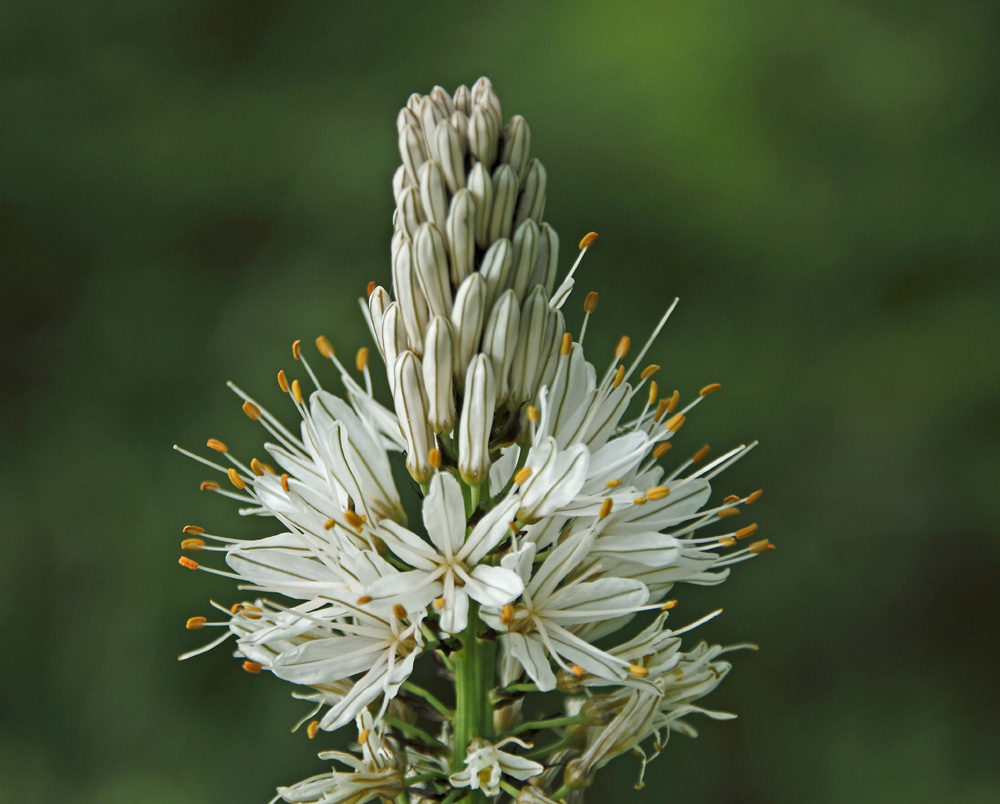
[[550, 515]]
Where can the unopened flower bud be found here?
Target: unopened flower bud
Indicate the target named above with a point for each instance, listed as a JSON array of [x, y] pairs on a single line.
[[531, 203], [460, 229], [430, 261], [546, 263], [517, 144], [411, 410], [500, 339], [411, 300], [504, 203], [437, 369], [449, 146], [433, 193], [529, 357], [476, 422], [525, 251], [467, 319], [480, 184]]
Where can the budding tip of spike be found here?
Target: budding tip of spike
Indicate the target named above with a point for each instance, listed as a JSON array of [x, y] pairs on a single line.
[[297, 349], [324, 347], [235, 479], [588, 240], [218, 446], [710, 389]]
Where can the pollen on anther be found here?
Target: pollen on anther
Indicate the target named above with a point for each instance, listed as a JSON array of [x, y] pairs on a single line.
[[361, 359], [190, 564], [329, 524], [252, 667], [658, 492], [251, 410], [507, 614], [514, 529], [257, 467], [283, 381], [312, 729], [619, 377], [284, 480], [649, 371], [296, 391], [577, 670], [194, 623], [760, 547], [661, 449], [614, 483], [700, 455], [251, 612], [434, 457], [297, 349], [193, 544], [567, 344], [728, 512], [661, 409], [236, 608], [354, 520], [638, 670], [364, 599], [667, 605], [590, 303], [654, 392], [588, 240], [749, 530], [710, 389], [641, 500], [439, 603], [755, 496], [193, 530], [218, 446], [363, 736], [399, 611], [235, 479], [624, 344], [533, 414], [731, 499], [522, 475], [209, 485], [606, 507], [674, 423]]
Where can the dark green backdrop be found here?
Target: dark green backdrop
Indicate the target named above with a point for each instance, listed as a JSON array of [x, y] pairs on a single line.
[[187, 187]]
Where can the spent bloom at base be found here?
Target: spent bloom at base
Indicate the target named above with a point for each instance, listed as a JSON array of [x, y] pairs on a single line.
[[443, 608]]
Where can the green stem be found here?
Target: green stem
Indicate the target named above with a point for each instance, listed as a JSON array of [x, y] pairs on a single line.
[[410, 687], [474, 665], [420, 778], [412, 731], [521, 688], [562, 792], [551, 723]]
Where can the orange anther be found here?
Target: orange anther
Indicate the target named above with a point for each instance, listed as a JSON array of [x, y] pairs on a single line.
[[329, 524], [749, 530], [641, 500], [235, 479], [364, 599], [297, 349], [209, 485], [283, 381], [284, 480], [507, 614], [661, 449], [590, 303], [361, 359], [624, 344], [363, 736], [619, 377], [534, 415], [312, 729], [296, 391], [567, 344], [399, 611], [614, 483], [371, 287], [522, 475], [588, 240], [252, 667], [218, 446], [731, 499], [439, 603], [184, 561], [434, 457], [709, 389], [654, 392], [649, 371], [674, 423], [638, 670], [192, 530], [236, 608], [755, 496], [675, 397], [667, 605], [354, 520], [727, 541], [257, 467], [251, 410], [606, 507], [728, 512], [577, 670], [194, 623], [700, 455], [193, 544], [658, 492], [760, 547]]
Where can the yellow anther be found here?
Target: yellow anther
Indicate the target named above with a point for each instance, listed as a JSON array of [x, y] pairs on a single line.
[[297, 350], [649, 371], [363, 736], [675, 398], [755, 496], [641, 500], [371, 287], [364, 599], [354, 520], [252, 667], [522, 475], [193, 530], [329, 524], [654, 392], [624, 344], [588, 240], [251, 612], [257, 467], [284, 480], [193, 544], [661, 449], [507, 614], [727, 541], [184, 561], [614, 483], [606, 507], [361, 359], [590, 303], [619, 377], [577, 670], [267, 468], [709, 389], [194, 623], [236, 608], [674, 423], [218, 446], [731, 499], [296, 391], [283, 381], [700, 455], [661, 409], [749, 530], [638, 670], [434, 457], [235, 479], [657, 492], [728, 512], [667, 605], [312, 729], [439, 603], [324, 346], [399, 611], [534, 415], [567, 343], [514, 529], [760, 547], [251, 410], [209, 485]]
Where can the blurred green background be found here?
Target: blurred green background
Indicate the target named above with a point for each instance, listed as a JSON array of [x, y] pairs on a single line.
[[188, 186]]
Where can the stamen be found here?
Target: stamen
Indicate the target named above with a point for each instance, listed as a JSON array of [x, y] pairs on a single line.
[[728, 512], [709, 389], [399, 611], [640, 500], [760, 547], [439, 603], [661, 449], [533, 414], [749, 530], [257, 467], [364, 599], [614, 483], [434, 457], [667, 605], [209, 485], [588, 240], [624, 344], [590, 303], [251, 410], [507, 614], [731, 499], [296, 391], [654, 392], [652, 337], [235, 479], [676, 422], [324, 347], [577, 670], [638, 670], [236, 608], [283, 381], [361, 359], [354, 519], [522, 475], [192, 530], [727, 541], [218, 446], [661, 409], [371, 287], [312, 729], [329, 524], [188, 563], [567, 344], [619, 377], [284, 480], [649, 371], [675, 397], [194, 623], [606, 507], [700, 455], [363, 736], [252, 667], [193, 544], [657, 492], [297, 349], [755, 496]]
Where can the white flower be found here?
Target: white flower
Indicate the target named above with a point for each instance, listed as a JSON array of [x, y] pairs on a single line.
[[485, 763]]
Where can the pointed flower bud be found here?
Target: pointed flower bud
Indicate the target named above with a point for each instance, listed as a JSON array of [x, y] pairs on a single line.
[[476, 422], [430, 260], [438, 369], [504, 203], [531, 202], [460, 229], [500, 339], [410, 297], [411, 410], [467, 318]]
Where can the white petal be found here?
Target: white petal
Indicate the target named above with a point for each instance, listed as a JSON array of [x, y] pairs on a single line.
[[444, 514], [494, 586], [490, 531], [530, 652]]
